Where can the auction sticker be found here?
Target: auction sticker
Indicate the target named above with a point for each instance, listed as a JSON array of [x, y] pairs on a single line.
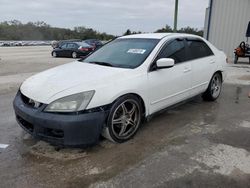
[[136, 51]]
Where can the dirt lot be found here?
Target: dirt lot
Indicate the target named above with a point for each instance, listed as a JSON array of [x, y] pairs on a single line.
[[198, 144]]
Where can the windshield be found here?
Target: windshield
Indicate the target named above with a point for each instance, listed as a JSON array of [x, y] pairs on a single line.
[[125, 53]]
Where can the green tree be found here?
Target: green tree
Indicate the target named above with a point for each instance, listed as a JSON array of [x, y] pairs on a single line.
[[128, 32], [191, 31], [15, 30], [166, 29]]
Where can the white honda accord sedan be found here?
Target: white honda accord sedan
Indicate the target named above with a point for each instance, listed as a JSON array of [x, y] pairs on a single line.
[[113, 89]]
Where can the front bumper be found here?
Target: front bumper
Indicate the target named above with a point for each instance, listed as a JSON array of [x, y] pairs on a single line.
[[61, 129]]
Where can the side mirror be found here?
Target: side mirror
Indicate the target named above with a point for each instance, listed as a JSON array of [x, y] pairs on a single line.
[[164, 63]]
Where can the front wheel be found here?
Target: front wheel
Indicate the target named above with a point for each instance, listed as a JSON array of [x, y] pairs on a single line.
[[124, 119], [214, 89], [54, 54]]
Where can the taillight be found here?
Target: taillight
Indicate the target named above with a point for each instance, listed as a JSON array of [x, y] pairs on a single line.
[[83, 49]]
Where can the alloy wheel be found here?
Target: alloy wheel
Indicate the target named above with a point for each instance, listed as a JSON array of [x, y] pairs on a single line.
[[74, 55], [126, 119], [216, 86], [54, 54]]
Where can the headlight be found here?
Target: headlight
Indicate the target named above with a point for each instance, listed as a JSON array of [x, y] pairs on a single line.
[[72, 103]]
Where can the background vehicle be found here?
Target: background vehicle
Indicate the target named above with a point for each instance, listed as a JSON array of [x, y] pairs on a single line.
[[57, 44], [94, 42], [116, 87], [72, 49]]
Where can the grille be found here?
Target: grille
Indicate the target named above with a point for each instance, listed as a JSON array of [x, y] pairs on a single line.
[[55, 133], [28, 126], [30, 102]]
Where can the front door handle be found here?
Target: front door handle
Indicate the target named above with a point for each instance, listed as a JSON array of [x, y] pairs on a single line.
[[212, 61]]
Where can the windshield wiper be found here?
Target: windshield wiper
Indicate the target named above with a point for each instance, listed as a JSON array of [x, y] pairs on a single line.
[[102, 63]]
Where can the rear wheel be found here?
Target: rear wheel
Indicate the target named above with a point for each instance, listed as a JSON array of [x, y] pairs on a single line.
[[214, 89], [124, 119], [74, 55]]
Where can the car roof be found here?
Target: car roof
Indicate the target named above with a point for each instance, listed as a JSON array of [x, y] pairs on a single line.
[[92, 40], [158, 35], [82, 44]]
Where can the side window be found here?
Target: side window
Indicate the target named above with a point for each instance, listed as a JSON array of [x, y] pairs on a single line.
[[64, 46], [198, 49], [174, 50], [71, 45]]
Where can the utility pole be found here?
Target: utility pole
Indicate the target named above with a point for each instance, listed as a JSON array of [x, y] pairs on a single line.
[[176, 15]]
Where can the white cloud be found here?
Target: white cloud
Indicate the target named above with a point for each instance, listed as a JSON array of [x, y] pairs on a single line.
[[112, 16]]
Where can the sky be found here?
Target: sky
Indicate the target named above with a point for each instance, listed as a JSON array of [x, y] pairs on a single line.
[[110, 16]]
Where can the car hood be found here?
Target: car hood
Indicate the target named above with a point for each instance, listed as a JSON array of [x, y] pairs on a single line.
[[44, 86]]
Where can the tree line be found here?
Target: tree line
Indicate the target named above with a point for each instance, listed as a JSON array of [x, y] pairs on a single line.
[[168, 29], [16, 30]]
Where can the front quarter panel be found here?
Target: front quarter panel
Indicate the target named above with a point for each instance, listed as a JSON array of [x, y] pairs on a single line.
[[130, 83]]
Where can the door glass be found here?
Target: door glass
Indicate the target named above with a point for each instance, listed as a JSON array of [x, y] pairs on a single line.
[[174, 50], [198, 49], [64, 46], [71, 45]]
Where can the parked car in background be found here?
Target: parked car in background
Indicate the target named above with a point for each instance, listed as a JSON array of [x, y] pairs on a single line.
[[112, 90], [72, 49], [57, 44], [94, 42], [5, 44]]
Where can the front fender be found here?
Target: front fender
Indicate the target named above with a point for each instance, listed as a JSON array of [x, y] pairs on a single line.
[[108, 94]]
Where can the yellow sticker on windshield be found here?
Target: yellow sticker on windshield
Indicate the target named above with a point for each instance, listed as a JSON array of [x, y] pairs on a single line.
[[136, 51]]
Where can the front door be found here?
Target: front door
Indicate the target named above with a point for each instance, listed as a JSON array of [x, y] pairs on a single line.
[[171, 85]]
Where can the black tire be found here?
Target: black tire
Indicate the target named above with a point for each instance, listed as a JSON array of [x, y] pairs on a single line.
[[74, 55], [214, 89], [236, 59], [54, 54], [118, 118]]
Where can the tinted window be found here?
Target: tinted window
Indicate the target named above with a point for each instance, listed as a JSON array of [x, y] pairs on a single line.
[[126, 53], [174, 50], [198, 49], [83, 44], [64, 46], [72, 45]]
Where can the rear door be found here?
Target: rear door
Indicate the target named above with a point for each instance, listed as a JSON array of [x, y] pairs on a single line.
[[171, 85], [203, 64], [72, 47]]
